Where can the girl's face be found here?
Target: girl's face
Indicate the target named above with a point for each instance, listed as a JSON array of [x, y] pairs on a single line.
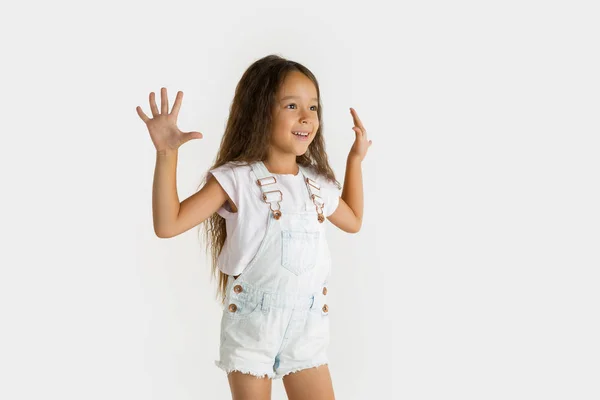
[[295, 119]]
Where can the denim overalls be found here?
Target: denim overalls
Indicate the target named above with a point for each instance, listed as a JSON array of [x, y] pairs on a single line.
[[275, 317]]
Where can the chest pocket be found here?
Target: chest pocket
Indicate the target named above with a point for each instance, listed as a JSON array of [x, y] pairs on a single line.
[[299, 250]]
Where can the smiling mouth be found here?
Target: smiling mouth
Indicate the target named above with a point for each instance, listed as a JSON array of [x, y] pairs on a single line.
[[300, 133]]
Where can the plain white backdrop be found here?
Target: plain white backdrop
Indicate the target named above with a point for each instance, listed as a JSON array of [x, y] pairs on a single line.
[[476, 272]]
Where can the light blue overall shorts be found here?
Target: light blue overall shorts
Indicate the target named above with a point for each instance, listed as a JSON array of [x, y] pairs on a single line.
[[275, 315]]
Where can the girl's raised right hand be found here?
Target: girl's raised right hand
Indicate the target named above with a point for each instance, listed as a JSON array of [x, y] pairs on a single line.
[[163, 127]]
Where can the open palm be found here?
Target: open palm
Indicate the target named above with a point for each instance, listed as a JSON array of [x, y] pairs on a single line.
[[163, 126]]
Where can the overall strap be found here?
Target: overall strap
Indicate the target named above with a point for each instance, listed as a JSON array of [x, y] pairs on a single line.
[[314, 190], [268, 186]]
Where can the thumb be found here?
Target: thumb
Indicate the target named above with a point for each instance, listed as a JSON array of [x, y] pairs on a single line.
[[193, 135]]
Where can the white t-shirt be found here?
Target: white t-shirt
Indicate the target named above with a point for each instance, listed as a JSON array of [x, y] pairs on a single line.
[[247, 227]]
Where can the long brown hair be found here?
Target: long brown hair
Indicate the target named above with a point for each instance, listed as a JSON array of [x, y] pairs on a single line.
[[247, 137]]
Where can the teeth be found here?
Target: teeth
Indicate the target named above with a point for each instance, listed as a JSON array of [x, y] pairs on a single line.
[[300, 133]]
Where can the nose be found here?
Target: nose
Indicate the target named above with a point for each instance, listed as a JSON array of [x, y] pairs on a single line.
[[305, 119], [306, 116]]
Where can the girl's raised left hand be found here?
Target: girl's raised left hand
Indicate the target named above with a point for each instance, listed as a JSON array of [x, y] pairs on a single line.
[[361, 144]]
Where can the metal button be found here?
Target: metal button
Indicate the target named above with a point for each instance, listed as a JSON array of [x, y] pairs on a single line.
[[237, 288], [232, 307], [324, 290], [325, 308]]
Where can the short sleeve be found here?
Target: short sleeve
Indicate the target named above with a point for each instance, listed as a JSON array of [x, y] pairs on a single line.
[[226, 177], [331, 196]]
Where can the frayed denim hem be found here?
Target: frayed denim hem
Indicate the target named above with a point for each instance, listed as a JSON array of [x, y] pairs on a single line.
[[300, 368], [244, 370]]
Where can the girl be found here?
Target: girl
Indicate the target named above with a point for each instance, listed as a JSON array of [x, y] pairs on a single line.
[[264, 201]]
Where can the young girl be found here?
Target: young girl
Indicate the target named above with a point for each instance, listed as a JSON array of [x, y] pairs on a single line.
[[264, 202]]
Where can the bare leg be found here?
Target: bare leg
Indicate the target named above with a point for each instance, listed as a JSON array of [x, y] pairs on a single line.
[[249, 387], [309, 384]]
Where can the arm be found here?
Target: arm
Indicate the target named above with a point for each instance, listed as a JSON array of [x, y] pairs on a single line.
[[170, 217], [348, 215], [165, 202], [167, 138]]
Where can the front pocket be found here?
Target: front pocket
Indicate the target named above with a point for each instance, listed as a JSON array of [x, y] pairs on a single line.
[[299, 250], [243, 309]]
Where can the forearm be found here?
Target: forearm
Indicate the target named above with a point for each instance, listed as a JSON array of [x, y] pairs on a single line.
[[165, 202], [352, 192]]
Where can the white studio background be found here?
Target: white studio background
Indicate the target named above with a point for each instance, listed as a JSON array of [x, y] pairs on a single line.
[[475, 275]]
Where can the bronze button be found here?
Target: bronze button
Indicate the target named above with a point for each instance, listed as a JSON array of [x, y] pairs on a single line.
[[324, 290], [237, 288], [232, 307], [325, 308]]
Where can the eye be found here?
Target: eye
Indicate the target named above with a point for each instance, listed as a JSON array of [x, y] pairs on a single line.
[[294, 104]]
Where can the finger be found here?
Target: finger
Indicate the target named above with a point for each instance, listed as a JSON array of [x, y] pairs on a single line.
[[153, 106], [363, 132], [352, 112], [177, 104], [142, 115], [358, 131], [193, 135], [357, 120], [164, 101]]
